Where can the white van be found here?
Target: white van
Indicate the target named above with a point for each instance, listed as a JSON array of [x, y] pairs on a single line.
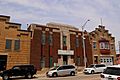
[[95, 68], [62, 71], [111, 73]]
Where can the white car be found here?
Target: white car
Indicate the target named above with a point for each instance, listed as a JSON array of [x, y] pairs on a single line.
[[111, 73], [62, 71], [94, 68]]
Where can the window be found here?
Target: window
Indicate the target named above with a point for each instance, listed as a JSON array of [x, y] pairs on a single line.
[[77, 42], [64, 40], [72, 56], [8, 44], [42, 62], [110, 60], [100, 65], [50, 39], [43, 38], [60, 68], [112, 71], [101, 60], [105, 60], [51, 60], [70, 67], [101, 45], [106, 45], [94, 45], [17, 45], [112, 46], [78, 60], [95, 59]]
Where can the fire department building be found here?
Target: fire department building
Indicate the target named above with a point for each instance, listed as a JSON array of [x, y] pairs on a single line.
[[53, 44], [103, 46]]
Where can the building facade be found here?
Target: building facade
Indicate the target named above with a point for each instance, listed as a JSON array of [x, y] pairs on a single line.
[[57, 44], [103, 46], [14, 43], [53, 44]]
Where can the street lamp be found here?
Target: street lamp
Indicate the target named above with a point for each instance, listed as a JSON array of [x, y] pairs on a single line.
[[85, 60]]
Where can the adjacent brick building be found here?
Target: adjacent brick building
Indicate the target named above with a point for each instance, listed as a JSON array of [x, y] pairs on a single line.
[[103, 46], [14, 43]]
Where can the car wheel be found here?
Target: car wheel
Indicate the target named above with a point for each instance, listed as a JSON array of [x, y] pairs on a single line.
[[29, 76], [54, 75], [72, 73], [5, 77], [92, 72]]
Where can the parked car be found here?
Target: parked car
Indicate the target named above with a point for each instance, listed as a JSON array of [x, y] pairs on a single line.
[[2, 67], [19, 70], [94, 68], [111, 73], [62, 71]]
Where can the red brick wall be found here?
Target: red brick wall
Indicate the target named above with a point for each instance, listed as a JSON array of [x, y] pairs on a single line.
[[72, 44], [80, 51], [46, 52], [56, 46], [88, 48], [77, 50], [36, 49]]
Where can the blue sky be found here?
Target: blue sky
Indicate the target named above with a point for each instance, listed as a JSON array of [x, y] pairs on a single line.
[[72, 12]]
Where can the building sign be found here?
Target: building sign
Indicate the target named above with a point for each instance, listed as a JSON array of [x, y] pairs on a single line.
[[65, 52]]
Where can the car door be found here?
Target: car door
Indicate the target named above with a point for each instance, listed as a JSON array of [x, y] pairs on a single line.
[[61, 71], [15, 71], [100, 68]]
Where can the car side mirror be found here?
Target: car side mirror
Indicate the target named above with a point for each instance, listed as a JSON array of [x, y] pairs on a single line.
[[103, 70], [94, 67]]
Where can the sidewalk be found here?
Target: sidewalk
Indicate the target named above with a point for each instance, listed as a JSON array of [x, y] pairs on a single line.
[[42, 73]]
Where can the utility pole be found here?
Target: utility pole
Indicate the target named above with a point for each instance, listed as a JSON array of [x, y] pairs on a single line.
[[83, 41]]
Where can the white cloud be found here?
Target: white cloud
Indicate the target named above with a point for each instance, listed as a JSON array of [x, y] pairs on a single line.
[[74, 12]]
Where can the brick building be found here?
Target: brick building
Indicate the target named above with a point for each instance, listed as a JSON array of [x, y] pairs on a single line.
[[14, 43], [57, 44], [103, 46]]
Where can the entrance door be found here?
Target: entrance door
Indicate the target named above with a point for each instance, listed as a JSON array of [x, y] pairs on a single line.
[[65, 60], [3, 62]]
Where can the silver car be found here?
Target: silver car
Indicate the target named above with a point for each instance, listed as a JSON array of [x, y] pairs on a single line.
[[62, 71], [95, 68]]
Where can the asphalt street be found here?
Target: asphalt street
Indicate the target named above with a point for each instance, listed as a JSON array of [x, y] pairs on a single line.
[[80, 76]]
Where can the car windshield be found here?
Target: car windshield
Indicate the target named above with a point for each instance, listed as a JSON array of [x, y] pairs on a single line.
[[15, 67], [54, 68], [112, 71], [91, 66]]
